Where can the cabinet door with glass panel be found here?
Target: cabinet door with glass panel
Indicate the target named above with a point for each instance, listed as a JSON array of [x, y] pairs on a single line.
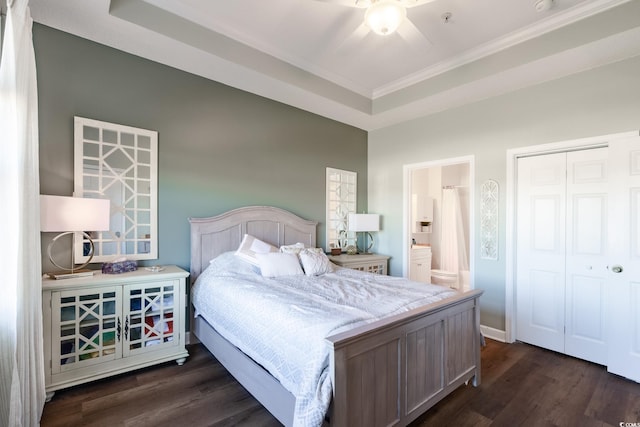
[[88, 326], [149, 321], [103, 324]]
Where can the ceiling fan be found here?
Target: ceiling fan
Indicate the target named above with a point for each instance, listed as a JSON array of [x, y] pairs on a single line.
[[384, 17]]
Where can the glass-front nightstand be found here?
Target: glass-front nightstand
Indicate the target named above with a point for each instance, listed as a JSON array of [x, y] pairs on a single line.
[[371, 263]]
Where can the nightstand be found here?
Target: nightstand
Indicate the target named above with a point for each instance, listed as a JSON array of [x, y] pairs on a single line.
[[372, 263]]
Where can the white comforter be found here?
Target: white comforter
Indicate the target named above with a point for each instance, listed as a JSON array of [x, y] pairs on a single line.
[[281, 323]]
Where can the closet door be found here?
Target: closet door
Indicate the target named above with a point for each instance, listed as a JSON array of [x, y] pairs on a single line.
[[562, 250], [587, 247], [540, 246], [624, 262]]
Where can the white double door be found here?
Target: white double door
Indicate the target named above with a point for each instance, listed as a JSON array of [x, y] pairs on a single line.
[[578, 254]]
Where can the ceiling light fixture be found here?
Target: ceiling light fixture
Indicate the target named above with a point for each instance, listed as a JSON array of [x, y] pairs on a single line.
[[385, 16]]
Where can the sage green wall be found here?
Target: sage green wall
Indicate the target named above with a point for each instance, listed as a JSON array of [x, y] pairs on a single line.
[[219, 147], [601, 101]]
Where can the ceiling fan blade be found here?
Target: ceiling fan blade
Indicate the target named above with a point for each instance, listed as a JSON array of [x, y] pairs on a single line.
[[413, 36], [349, 3]]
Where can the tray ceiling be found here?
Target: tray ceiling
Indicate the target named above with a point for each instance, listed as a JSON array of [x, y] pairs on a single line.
[[319, 56]]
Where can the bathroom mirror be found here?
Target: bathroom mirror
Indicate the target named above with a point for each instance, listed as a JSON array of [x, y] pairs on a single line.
[[118, 163]]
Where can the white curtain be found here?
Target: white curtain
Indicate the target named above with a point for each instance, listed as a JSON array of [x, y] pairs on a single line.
[[21, 350], [453, 251]]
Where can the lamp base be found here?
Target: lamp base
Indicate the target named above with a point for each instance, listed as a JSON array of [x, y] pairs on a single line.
[[70, 274], [366, 250], [73, 272]]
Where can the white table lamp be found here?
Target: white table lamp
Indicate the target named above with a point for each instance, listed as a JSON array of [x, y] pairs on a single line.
[[70, 215], [364, 223]]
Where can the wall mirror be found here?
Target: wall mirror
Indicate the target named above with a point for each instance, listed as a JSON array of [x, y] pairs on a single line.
[[118, 163], [341, 201]]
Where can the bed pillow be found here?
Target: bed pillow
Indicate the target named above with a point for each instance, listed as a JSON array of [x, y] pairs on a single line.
[[315, 262], [292, 249], [251, 246], [278, 264], [315, 250]]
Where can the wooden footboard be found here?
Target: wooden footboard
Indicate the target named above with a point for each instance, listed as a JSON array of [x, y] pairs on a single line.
[[389, 372]]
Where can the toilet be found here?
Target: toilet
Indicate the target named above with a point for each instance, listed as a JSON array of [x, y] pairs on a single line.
[[445, 278]]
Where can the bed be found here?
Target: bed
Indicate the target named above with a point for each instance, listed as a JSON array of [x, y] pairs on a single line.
[[385, 372]]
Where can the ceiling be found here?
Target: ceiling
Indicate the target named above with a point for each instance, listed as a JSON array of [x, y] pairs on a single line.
[[318, 55]]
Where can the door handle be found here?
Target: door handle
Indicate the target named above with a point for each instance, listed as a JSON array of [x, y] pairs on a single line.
[[616, 268]]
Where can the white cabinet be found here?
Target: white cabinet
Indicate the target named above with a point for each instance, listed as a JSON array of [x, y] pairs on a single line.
[[105, 324], [422, 213], [370, 263], [420, 268]]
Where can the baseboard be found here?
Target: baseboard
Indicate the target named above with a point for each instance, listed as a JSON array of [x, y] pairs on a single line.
[[494, 334]]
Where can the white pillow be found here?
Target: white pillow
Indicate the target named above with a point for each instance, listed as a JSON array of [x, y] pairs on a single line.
[[315, 250], [315, 262], [292, 249], [279, 264], [251, 246]]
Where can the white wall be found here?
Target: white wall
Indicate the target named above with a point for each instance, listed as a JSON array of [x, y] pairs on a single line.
[[601, 101]]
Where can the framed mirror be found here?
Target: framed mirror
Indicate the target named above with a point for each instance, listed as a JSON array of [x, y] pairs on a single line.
[[341, 200], [118, 163]]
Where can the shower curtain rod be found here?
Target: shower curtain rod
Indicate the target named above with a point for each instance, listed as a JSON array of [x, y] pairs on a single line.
[[444, 187]]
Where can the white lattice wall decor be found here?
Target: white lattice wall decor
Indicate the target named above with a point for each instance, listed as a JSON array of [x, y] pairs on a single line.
[[118, 163], [341, 201], [489, 205]]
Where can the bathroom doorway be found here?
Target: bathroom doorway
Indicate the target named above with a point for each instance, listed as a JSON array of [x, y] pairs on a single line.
[[438, 219]]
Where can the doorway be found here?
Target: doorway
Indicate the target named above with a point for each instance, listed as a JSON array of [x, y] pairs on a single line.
[[438, 221]]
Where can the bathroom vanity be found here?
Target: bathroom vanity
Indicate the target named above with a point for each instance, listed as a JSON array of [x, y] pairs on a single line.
[[420, 267]]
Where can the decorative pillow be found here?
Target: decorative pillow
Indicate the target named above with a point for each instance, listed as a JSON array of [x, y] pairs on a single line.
[[292, 249], [251, 246], [315, 250], [315, 262], [277, 264]]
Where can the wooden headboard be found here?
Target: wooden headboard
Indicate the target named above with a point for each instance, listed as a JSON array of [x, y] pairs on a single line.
[[222, 233]]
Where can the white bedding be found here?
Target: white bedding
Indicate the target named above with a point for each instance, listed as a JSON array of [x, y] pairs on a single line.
[[281, 323]]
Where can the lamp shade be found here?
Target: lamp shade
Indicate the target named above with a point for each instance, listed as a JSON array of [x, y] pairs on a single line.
[[364, 222], [61, 213]]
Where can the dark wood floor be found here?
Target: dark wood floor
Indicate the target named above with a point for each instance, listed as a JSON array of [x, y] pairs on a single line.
[[522, 385]]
